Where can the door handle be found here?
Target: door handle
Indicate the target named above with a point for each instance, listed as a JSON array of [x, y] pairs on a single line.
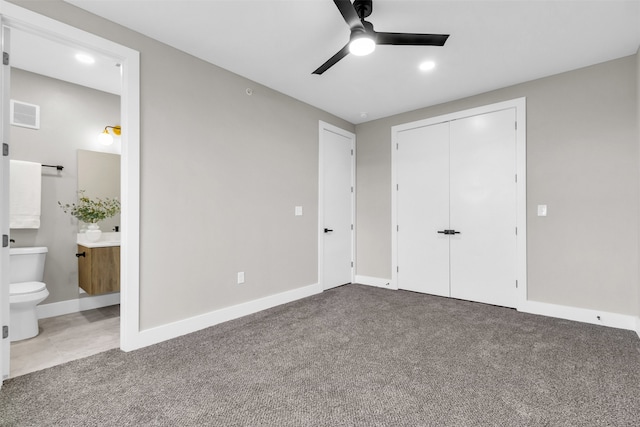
[[84, 254], [449, 232], [327, 230]]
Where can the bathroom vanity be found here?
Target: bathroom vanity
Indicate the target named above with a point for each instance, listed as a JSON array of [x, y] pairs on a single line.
[[99, 265]]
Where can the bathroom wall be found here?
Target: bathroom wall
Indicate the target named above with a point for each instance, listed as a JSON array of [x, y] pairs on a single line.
[[71, 117]]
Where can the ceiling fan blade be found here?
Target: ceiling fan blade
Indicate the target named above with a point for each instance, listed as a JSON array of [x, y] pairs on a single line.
[[409, 39], [349, 14], [333, 60]]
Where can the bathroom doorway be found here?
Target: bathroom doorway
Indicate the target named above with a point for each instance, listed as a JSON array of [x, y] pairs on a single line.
[[72, 117], [45, 31]]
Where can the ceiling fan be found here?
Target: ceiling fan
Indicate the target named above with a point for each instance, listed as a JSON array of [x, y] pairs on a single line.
[[364, 39]]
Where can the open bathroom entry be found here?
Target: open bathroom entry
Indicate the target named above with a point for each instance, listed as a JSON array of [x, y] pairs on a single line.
[[36, 67]]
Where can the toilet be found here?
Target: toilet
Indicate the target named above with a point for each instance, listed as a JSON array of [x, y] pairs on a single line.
[[26, 290]]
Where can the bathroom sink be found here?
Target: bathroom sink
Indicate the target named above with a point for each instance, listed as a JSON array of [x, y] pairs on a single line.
[[106, 239]]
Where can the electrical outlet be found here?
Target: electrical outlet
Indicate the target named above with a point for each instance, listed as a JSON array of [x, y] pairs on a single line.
[[240, 277]]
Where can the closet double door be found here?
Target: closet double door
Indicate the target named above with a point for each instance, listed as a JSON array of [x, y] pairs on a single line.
[[456, 208]]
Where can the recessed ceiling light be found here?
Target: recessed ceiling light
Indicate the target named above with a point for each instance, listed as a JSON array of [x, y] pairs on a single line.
[[427, 66], [85, 59]]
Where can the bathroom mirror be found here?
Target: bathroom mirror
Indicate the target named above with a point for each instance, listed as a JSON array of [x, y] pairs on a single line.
[[99, 176]]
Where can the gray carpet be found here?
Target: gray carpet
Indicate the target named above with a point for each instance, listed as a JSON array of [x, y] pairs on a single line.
[[352, 356]]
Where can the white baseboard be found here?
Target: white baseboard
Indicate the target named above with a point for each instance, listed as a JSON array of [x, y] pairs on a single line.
[[75, 305], [374, 281], [172, 330], [596, 317]]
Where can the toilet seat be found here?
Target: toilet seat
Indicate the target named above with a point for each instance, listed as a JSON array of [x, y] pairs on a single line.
[[26, 288]]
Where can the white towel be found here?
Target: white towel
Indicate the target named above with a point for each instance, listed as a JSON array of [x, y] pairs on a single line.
[[25, 188]]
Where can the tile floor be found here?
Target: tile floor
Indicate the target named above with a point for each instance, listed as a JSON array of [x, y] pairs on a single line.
[[65, 338]]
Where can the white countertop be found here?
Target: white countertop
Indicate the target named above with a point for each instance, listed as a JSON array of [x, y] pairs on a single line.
[[107, 239]]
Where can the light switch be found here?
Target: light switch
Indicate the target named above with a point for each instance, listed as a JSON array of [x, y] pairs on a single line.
[[298, 210], [542, 210]]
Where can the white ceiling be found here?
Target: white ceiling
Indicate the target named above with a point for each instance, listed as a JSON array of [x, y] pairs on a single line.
[[56, 59], [493, 44]]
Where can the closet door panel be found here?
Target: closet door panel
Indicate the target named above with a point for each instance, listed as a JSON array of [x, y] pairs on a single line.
[[483, 208], [423, 209]]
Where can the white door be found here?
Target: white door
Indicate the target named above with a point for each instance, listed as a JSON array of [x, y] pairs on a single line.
[[336, 206], [456, 208], [423, 200], [4, 211], [483, 208]]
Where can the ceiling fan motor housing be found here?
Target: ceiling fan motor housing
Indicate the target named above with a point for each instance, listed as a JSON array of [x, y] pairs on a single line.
[[363, 7]]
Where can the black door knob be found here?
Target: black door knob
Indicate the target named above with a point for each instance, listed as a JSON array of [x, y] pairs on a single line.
[[449, 232], [327, 230]]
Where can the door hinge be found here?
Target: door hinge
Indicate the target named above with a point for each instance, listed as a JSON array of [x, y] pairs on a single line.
[[516, 231], [5, 58], [352, 189], [397, 269], [397, 187], [516, 125], [351, 264], [516, 177], [352, 151], [5, 331], [397, 145], [397, 227], [5, 149], [5, 240], [351, 226]]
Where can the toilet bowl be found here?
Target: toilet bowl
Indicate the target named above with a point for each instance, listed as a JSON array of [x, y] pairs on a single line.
[[26, 290]]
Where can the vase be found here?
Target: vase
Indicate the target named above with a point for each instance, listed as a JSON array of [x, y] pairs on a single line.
[[93, 233]]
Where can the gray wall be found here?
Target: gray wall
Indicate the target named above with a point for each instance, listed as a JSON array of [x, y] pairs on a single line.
[[71, 117], [221, 173], [582, 161]]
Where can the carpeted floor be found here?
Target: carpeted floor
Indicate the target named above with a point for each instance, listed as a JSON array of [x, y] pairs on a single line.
[[352, 356]]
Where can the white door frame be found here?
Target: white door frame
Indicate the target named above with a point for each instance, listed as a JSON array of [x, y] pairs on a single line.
[[16, 17], [521, 186], [4, 213], [322, 128]]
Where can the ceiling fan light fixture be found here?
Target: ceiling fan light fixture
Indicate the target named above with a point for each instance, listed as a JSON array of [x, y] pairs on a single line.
[[361, 44]]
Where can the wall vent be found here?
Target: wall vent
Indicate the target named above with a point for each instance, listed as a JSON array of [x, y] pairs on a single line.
[[25, 115]]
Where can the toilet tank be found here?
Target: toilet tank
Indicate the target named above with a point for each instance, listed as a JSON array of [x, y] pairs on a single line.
[[26, 264]]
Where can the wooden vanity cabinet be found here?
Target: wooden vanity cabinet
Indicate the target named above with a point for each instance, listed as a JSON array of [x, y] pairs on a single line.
[[99, 269]]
